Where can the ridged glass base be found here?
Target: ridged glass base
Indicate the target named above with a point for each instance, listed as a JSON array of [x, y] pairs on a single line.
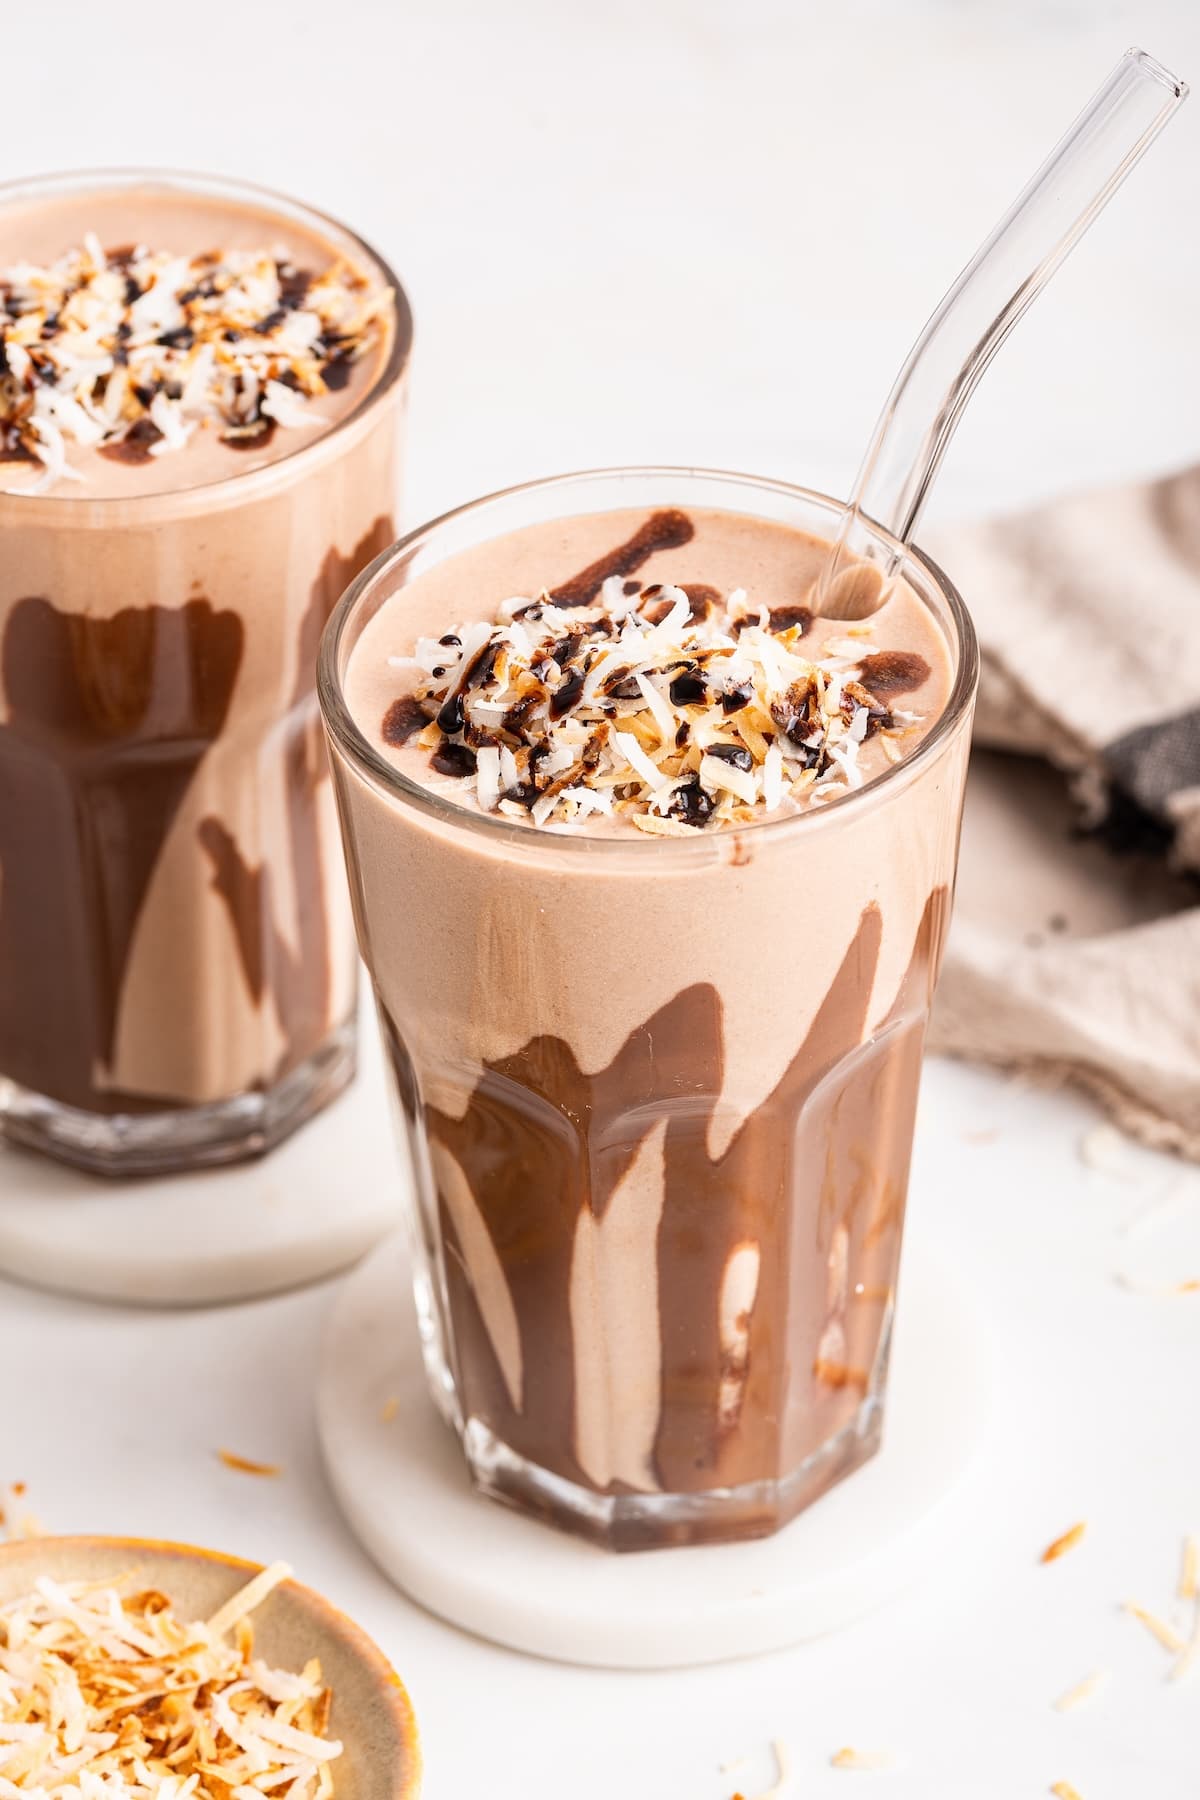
[[183, 1138], [660, 1521]]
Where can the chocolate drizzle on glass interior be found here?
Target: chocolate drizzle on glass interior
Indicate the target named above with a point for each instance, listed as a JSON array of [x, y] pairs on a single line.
[[200, 393], [676, 709], [657, 1078]]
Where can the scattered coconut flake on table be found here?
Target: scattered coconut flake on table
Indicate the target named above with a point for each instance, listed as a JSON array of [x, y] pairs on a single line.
[[1189, 1571], [104, 1691], [1167, 1636], [1066, 1542], [16, 1521], [1062, 1790], [1083, 1691], [245, 1465], [1101, 1148], [1188, 1660], [389, 1409], [782, 1779], [1156, 1290], [848, 1758], [1166, 1206]]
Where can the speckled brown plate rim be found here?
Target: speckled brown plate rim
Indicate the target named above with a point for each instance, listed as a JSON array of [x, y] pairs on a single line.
[[389, 1690]]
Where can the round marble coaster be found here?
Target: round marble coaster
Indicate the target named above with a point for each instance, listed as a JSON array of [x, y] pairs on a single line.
[[403, 1486], [313, 1206]]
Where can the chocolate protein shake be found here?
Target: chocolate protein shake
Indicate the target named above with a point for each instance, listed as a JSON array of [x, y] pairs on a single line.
[[652, 871], [200, 389]]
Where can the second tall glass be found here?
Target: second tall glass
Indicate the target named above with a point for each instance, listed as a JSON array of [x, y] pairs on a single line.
[[658, 1095]]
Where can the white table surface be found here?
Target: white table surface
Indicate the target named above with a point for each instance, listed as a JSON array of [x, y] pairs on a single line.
[[706, 232]]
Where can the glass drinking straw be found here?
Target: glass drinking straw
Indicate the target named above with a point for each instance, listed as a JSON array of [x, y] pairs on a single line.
[[1074, 184]]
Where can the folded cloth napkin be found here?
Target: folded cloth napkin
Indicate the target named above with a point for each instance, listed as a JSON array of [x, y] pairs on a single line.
[[1078, 956]]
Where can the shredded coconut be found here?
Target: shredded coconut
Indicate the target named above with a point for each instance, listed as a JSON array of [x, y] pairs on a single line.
[[130, 350], [1083, 1691], [245, 1465], [1062, 1544], [850, 1758], [638, 707], [1167, 1636], [107, 1695]]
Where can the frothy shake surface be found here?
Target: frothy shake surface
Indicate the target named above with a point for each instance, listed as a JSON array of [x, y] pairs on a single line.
[[153, 341], [652, 673]]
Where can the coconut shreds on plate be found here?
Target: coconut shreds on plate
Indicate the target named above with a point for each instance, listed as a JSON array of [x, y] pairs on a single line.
[[128, 350], [106, 1695], [674, 716]]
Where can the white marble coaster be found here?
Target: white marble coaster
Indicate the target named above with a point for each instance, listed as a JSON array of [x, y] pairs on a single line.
[[313, 1206], [403, 1486]]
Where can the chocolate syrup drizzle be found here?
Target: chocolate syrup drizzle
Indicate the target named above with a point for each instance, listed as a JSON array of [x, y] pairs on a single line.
[[109, 720], [299, 981], [541, 1141], [665, 530]]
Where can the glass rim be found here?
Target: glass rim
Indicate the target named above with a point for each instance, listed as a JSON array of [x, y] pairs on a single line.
[[352, 742], [67, 181]]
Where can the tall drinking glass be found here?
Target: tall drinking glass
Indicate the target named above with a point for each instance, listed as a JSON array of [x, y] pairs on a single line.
[[177, 966], [657, 1093]]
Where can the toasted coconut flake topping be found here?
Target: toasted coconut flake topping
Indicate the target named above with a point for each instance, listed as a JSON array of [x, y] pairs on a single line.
[[1062, 1544], [636, 708], [106, 1695], [130, 351]]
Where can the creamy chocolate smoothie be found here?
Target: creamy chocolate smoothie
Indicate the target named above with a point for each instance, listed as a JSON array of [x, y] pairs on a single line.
[[200, 390], [652, 871]]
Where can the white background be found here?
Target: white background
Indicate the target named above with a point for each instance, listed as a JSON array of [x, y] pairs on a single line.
[[705, 233]]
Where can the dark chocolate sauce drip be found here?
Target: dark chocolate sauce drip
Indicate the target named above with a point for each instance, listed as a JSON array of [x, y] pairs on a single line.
[[136, 445], [665, 530], [453, 759], [402, 720], [702, 599], [109, 720], [258, 439], [566, 694], [541, 1140], [299, 979], [891, 672], [784, 617]]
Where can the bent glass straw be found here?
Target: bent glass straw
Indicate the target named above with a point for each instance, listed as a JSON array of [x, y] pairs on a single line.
[[1008, 272]]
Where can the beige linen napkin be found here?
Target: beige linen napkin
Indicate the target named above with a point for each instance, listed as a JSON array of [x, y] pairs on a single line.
[[1078, 956]]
